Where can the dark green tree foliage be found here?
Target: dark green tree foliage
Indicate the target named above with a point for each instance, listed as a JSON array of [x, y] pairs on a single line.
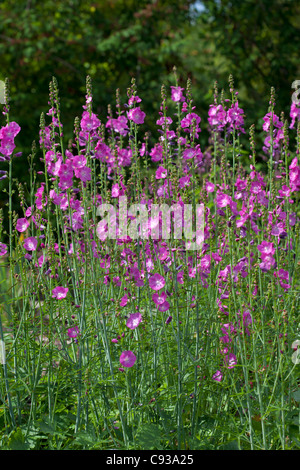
[[112, 41], [115, 40], [255, 40]]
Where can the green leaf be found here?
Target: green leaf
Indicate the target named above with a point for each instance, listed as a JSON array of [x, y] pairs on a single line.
[[296, 396], [17, 441], [148, 436], [231, 445]]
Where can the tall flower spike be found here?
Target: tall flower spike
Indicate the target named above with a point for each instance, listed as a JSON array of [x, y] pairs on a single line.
[[6, 100], [6, 92]]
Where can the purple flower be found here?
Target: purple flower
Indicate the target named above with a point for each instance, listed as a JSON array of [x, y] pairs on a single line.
[[136, 115], [134, 320], [10, 131], [230, 360], [266, 248], [79, 161], [115, 190], [22, 225], [73, 332], [210, 187], [188, 153], [217, 116], [223, 200], [184, 181], [3, 249], [123, 301], [59, 292], [176, 94], [161, 172], [83, 173], [156, 282], [159, 299], [156, 153], [218, 376], [164, 307], [89, 123], [168, 320], [127, 359], [30, 244]]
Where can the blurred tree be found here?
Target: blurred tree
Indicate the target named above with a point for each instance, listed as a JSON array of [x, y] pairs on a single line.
[[255, 40], [115, 40], [111, 41]]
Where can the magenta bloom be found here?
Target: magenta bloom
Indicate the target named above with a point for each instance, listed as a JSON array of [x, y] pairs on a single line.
[[79, 161], [127, 359], [188, 153], [136, 115], [164, 307], [30, 244], [184, 181], [159, 299], [3, 249], [266, 248], [59, 292], [223, 200], [218, 376], [210, 187], [10, 131], [22, 225], [124, 301], [83, 173], [134, 320], [230, 360], [115, 190], [156, 282], [176, 94], [73, 332], [156, 153], [161, 172]]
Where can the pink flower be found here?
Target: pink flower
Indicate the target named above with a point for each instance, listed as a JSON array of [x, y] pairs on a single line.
[[218, 376], [230, 360], [30, 244], [210, 187], [223, 200], [188, 153], [59, 292], [180, 277], [89, 123], [136, 115], [176, 94], [79, 161], [159, 299], [164, 307], [10, 131], [134, 320], [188, 120], [127, 359], [115, 190], [22, 225], [134, 99], [184, 181], [217, 116], [3, 249], [156, 282], [161, 172], [123, 301], [73, 332], [83, 173], [156, 153], [266, 248]]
